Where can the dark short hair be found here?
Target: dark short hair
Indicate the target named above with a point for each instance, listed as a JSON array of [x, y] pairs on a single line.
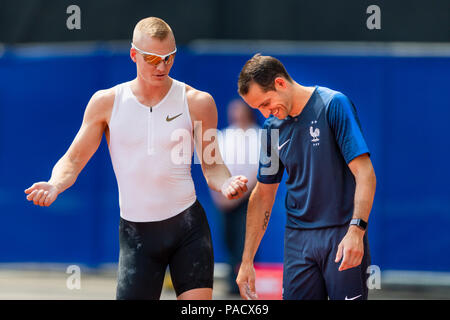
[[262, 70]]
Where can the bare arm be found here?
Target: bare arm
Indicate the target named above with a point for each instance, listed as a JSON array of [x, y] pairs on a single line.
[[86, 142], [258, 215], [204, 114], [351, 247], [365, 178]]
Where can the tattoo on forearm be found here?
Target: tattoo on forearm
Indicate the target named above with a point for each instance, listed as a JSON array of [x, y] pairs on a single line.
[[266, 219]]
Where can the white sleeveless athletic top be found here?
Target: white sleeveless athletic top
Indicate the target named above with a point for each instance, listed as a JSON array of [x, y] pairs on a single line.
[[145, 146]]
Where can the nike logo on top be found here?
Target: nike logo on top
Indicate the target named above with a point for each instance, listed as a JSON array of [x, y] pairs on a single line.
[[170, 119], [279, 147], [354, 298]]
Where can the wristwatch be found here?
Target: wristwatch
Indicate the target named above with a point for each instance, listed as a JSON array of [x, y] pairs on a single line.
[[359, 223]]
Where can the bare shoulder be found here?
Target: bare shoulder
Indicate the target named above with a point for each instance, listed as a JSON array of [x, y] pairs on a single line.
[[100, 105], [103, 99], [201, 104]]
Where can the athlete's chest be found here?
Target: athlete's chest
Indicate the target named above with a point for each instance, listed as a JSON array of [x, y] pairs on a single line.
[[152, 129], [305, 139]]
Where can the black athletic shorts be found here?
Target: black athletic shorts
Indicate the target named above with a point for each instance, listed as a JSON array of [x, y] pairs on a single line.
[[182, 242]]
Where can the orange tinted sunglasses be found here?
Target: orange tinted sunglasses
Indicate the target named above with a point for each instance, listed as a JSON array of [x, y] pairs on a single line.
[[153, 58]]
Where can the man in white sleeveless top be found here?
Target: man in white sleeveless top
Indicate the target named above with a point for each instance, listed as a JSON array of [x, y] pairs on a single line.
[[151, 125]]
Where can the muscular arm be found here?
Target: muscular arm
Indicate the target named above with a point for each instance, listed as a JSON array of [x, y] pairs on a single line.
[[351, 248], [204, 115], [86, 142], [258, 215], [364, 174]]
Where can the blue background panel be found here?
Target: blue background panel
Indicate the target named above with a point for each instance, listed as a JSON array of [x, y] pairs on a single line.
[[403, 104]]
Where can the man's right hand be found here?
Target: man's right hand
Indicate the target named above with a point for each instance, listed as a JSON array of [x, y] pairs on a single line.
[[246, 281], [42, 193]]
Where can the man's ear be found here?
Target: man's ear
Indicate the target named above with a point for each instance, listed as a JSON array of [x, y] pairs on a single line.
[[280, 83], [133, 55]]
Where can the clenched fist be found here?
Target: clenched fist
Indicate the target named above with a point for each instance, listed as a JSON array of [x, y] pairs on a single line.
[[234, 187]]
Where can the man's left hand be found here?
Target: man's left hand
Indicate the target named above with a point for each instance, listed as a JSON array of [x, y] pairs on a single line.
[[351, 249]]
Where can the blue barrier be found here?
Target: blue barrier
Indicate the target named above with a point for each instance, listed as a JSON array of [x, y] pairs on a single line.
[[403, 104]]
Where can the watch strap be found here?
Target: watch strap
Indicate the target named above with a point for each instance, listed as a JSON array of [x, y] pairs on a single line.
[[359, 222]]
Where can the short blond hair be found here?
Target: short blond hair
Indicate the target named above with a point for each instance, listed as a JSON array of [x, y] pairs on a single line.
[[153, 27]]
